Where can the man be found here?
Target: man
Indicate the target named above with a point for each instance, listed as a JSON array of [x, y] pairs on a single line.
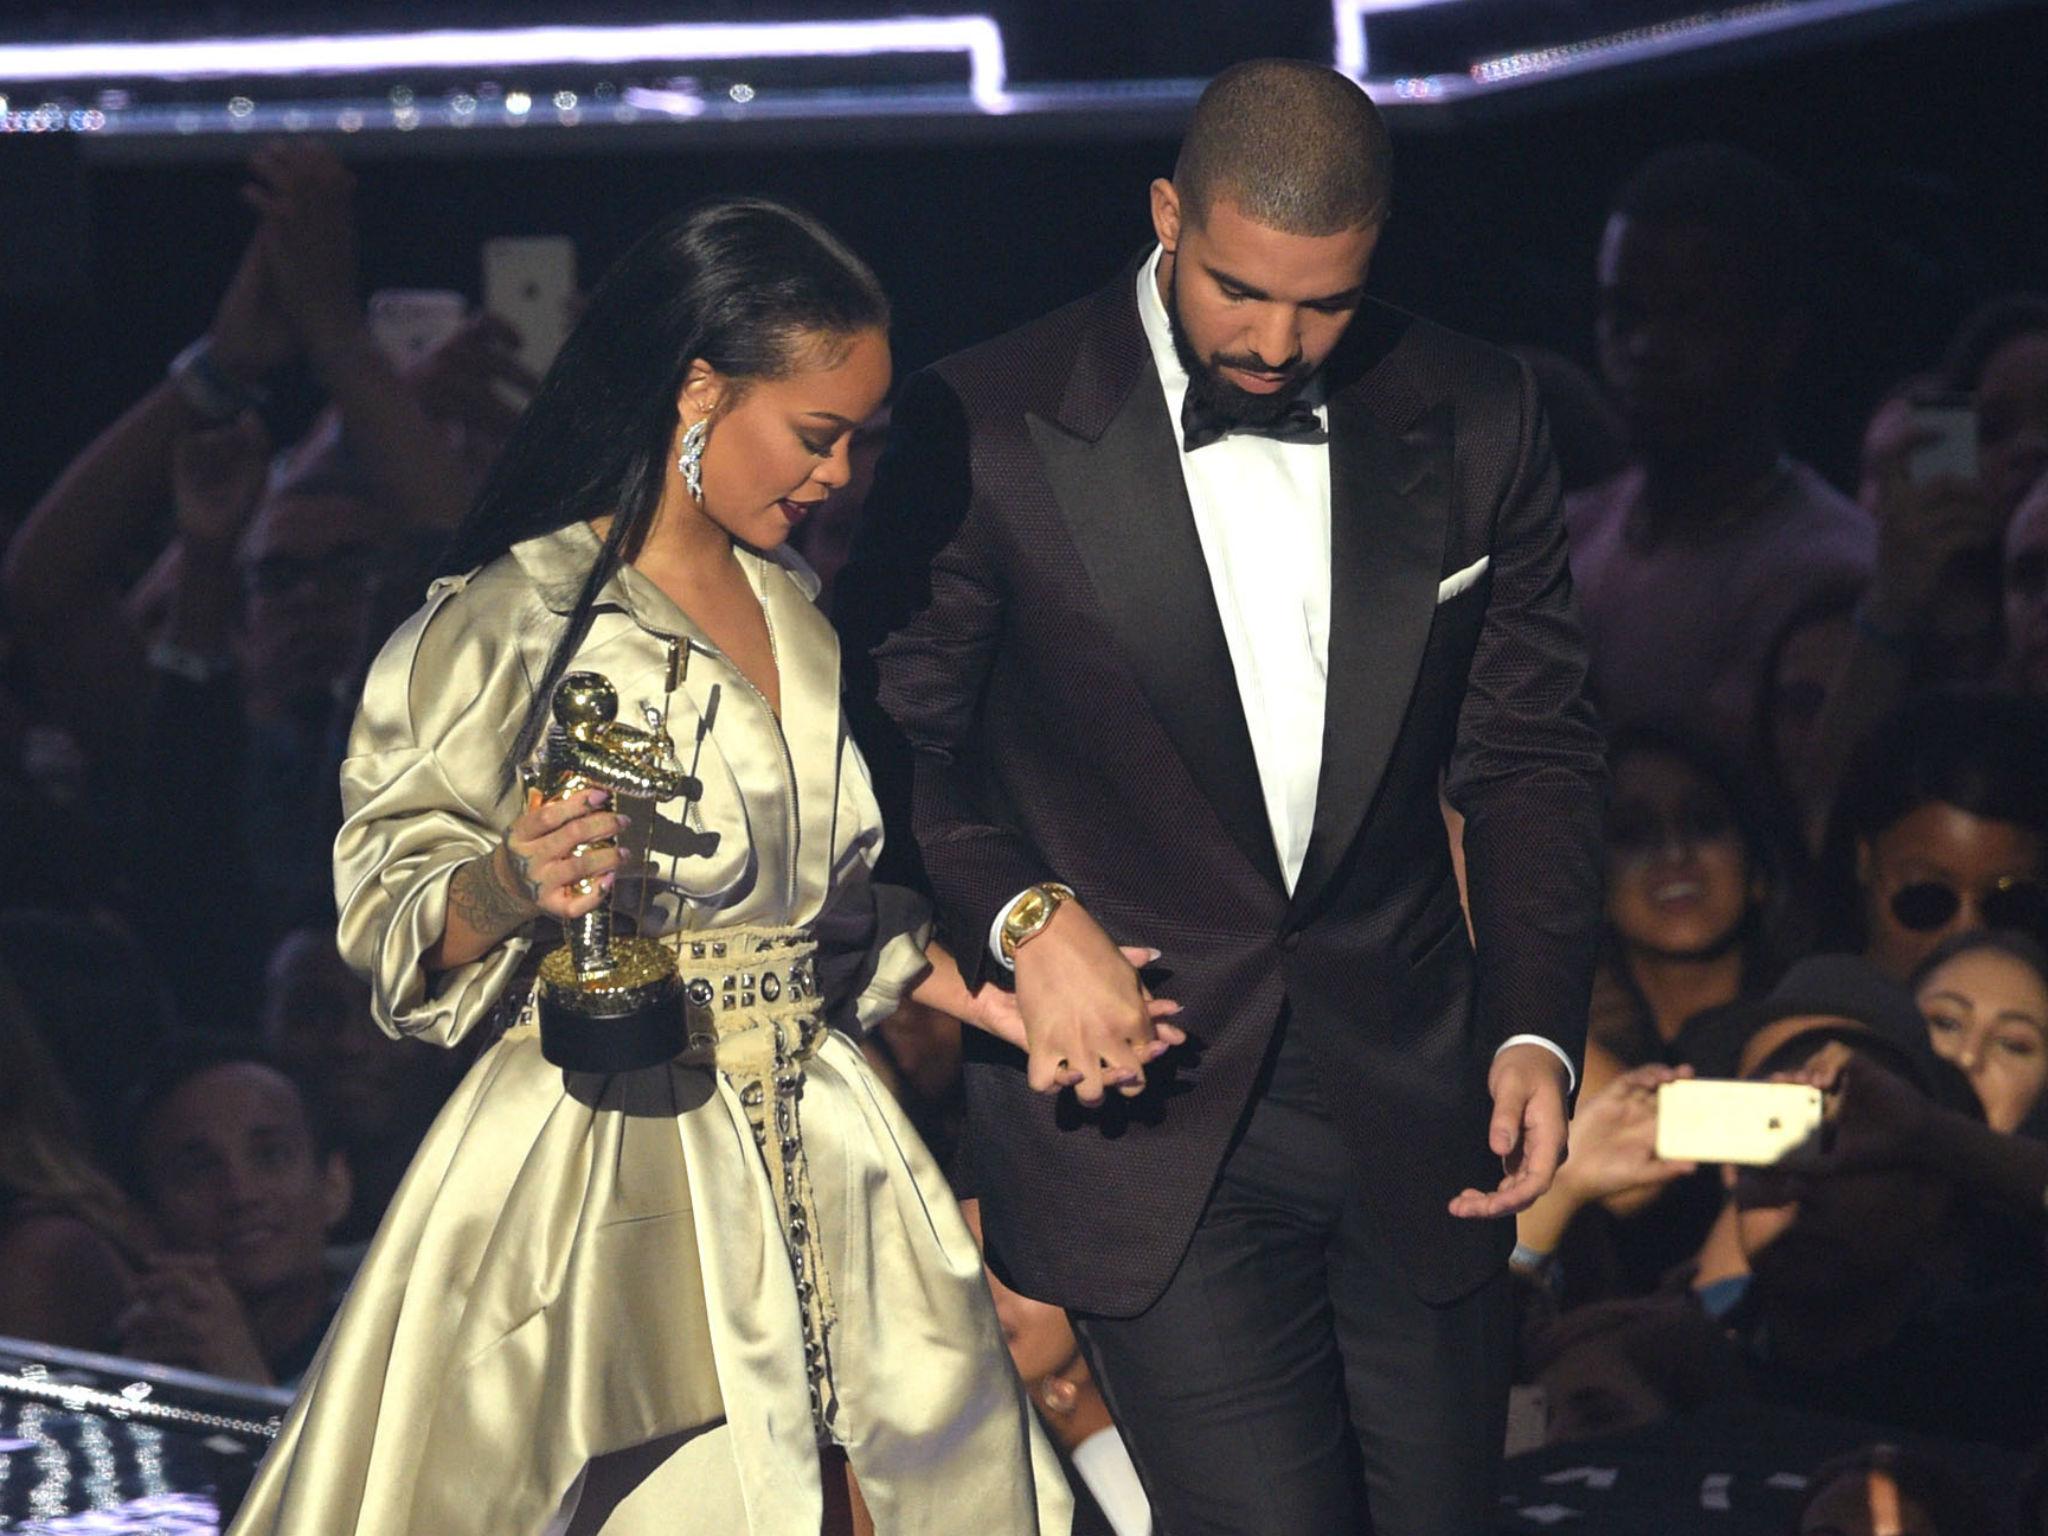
[[1198, 589], [234, 1169], [2026, 594], [1690, 561]]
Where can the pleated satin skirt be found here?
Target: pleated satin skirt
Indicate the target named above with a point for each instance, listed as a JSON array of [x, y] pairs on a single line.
[[580, 1265]]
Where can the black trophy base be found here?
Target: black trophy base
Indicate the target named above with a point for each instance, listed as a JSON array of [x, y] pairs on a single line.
[[626, 1020]]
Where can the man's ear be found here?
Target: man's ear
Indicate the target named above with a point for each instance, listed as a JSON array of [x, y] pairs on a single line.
[[1166, 214]]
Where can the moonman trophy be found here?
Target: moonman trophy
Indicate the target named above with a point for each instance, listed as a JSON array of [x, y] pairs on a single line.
[[608, 1002]]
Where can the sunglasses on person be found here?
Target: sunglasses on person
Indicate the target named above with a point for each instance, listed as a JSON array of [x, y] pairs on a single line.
[[2011, 902]]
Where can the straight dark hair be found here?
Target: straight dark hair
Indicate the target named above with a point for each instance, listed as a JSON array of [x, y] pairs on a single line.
[[751, 287]]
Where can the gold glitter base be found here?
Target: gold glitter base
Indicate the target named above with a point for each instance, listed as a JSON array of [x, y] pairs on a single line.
[[642, 975]]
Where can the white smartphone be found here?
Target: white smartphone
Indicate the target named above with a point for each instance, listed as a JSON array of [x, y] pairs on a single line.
[[408, 323], [1716, 1120], [530, 283], [1950, 423]]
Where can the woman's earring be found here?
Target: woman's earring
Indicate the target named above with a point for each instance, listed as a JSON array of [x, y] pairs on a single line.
[[691, 460]]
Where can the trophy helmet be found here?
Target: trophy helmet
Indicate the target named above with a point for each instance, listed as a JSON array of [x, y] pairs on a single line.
[[585, 698]]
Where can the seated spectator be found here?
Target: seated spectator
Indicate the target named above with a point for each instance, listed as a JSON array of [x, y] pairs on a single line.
[[1108, 1499], [98, 1004], [1999, 358], [236, 1170], [381, 1093], [1801, 670], [2024, 581], [213, 685], [1613, 1171], [1985, 997], [1700, 905], [66, 1233], [1860, 1298], [1938, 828], [1932, 613], [1689, 562], [1884, 1491]]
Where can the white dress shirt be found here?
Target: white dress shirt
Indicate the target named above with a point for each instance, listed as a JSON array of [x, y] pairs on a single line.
[[1262, 512]]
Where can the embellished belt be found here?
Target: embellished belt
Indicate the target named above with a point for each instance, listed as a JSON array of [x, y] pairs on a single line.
[[750, 996]]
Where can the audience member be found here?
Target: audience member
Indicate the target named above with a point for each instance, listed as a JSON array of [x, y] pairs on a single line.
[[1882, 1490], [1108, 1499], [97, 1001], [1858, 1298], [2025, 584], [1985, 996], [1938, 828], [1933, 611], [66, 1233], [381, 1093], [235, 1168], [1999, 358], [1700, 899], [1689, 562], [1801, 671]]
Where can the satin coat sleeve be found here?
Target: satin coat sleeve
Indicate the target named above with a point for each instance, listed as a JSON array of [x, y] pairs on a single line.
[[871, 935], [424, 790]]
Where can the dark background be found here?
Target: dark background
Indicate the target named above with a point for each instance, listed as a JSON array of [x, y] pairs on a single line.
[[1926, 152]]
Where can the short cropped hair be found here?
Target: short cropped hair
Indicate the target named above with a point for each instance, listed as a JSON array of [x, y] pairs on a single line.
[[1762, 221], [1296, 147]]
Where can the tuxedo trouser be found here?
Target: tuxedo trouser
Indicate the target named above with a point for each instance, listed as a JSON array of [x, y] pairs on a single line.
[[1289, 1382]]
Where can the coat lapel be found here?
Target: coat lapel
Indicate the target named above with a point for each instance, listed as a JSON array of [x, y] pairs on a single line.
[[1389, 506], [1115, 472]]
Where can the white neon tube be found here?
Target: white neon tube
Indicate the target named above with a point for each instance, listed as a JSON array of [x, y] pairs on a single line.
[[358, 53]]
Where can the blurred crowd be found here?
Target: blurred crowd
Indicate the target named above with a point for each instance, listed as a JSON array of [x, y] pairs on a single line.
[[1828, 716]]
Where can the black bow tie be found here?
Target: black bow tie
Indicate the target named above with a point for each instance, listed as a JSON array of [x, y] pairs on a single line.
[[1202, 424]]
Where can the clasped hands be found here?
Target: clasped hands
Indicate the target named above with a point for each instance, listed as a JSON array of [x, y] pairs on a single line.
[[1086, 1021]]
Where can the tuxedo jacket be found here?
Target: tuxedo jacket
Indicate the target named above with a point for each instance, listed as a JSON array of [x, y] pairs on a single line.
[[1041, 680]]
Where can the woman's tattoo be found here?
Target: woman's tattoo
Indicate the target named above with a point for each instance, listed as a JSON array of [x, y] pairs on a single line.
[[484, 898]]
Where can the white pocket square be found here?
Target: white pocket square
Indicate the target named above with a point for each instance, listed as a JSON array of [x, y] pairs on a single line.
[[1458, 581]]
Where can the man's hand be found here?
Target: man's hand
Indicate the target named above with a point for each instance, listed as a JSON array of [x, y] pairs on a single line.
[[1088, 1021], [186, 1314], [1527, 1132], [996, 1012]]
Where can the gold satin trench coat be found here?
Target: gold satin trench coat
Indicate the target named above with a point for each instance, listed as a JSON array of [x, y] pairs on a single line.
[[576, 1264]]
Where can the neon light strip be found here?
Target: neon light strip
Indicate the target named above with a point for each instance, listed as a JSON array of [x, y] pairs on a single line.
[[355, 53], [1354, 56]]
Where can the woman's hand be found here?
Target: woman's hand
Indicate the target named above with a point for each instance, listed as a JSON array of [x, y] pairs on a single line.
[[540, 867]]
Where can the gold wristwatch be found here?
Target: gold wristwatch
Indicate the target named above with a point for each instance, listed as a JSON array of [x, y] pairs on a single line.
[[1030, 912]]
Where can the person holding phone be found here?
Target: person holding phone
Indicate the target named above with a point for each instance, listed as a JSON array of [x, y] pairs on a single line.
[[586, 1308]]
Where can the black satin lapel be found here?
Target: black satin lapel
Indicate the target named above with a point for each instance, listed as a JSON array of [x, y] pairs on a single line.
[[1389, 503], [1126, 506]]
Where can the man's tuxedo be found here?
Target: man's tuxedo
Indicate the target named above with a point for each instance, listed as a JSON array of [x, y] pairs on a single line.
[[1056, 702]]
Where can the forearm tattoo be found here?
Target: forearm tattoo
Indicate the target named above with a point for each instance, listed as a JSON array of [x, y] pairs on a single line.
[[492, 896]]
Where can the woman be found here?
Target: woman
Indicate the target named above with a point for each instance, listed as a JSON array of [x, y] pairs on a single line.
[[1985, 997], [1699, 895], [1938, 828], [584, 1304], [66, 1234]]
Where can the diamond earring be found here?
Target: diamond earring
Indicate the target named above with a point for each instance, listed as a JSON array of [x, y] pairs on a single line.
[[691, 460]]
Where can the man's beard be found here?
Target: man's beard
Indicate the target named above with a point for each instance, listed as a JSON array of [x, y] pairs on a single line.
[[1216, 394]]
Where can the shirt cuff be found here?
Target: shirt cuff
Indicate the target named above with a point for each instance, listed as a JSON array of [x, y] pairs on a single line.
[[1571, 1074], [995, 932]]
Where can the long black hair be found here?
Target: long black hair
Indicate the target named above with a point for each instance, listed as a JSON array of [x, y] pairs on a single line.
[[742, 283]]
